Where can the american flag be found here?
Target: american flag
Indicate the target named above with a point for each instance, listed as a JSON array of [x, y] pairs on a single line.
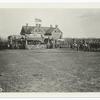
[[38, 20]]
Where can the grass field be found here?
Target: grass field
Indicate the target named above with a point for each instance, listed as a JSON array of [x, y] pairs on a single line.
[[49, 70]]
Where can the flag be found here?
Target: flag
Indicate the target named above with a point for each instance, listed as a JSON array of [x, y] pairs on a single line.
[[38, 20]]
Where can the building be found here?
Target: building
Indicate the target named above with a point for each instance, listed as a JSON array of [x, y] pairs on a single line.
[[39, 36]]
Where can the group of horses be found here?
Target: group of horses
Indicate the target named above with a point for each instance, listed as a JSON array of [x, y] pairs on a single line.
[[85, 45]]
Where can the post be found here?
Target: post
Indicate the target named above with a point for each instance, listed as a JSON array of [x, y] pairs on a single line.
[[53, 43], [26, 43]]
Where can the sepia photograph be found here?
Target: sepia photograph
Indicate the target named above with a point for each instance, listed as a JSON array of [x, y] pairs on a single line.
[[49, 50]]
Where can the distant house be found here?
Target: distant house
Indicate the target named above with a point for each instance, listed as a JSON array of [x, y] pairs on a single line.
[[38, 34]]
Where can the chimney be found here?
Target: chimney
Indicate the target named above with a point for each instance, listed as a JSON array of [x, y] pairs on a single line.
[[56, 26], [39, 25], [26, 24], [36, 25], [50, 26]]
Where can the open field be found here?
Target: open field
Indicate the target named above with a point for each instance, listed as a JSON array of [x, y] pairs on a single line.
[[49, 70]]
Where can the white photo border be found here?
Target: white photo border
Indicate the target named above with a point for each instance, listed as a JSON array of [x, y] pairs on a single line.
[[49, 94]]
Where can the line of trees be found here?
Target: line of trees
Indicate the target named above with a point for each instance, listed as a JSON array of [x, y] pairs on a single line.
[[3, 43]]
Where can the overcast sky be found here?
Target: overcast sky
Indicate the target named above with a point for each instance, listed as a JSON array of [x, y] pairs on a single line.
[[72, 22]]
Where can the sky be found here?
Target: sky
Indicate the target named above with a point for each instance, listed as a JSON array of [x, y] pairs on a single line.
[[77, 23]]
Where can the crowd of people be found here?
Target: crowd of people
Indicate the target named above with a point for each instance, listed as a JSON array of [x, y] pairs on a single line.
[[82, 44], [89, 44]]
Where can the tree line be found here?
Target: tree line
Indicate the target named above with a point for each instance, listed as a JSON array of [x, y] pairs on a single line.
[[3, 43]]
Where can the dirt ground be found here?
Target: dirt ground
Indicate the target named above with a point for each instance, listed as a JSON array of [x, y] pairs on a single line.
[[49, 70]]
